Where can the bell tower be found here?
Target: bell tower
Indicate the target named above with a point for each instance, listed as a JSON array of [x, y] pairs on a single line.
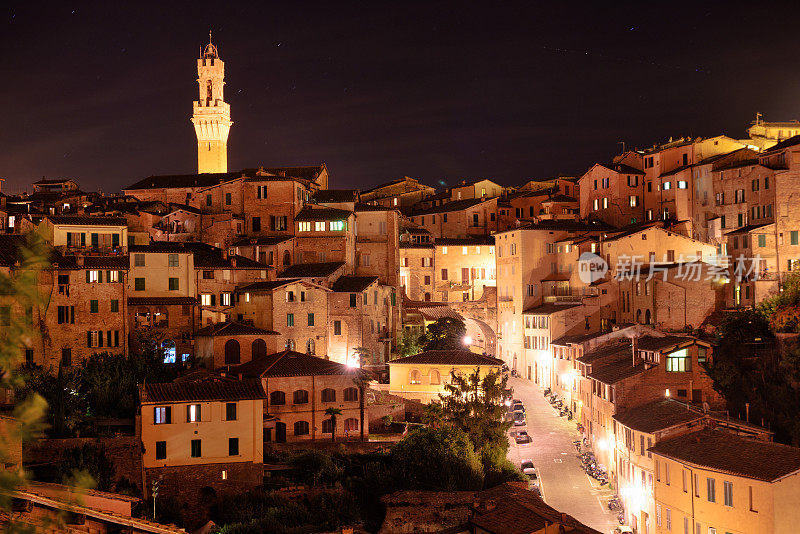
[[212, 115]]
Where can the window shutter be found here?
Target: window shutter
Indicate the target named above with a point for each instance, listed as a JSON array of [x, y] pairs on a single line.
[[99, 338], [100, 276], [213, 299], [169, 414], [69, 239], [87, 277], [108, 276], [119, 276], [155, 415], [88, 338], [83, 239]]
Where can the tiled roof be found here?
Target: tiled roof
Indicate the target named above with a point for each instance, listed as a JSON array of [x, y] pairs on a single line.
[[577, 338], [746, 229], [87, 220], [262, 240], [205, 256], [634, 229], [560, 198], [336, 195], [175, 181], [516, 510], [792, 141], [565, 225], [448, 357], [737, 164], [53, 181], [611, 348], [265, 285], [202, 387], [656, 415], [621, 168], [233, 328], [617, 369], [310, 213], [456, 205], [729, 453], [433, 313], [557, 277], [676, 170], [289, 363], [652, 343], [415, 183], [353, 284], [307, 172], [549, 308], [311, 270], [477, 240], [161, 301]]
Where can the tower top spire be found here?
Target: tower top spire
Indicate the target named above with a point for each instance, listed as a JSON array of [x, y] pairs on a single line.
[[210, 50]]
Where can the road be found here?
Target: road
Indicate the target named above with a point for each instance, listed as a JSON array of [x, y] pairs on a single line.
[[564, 484]]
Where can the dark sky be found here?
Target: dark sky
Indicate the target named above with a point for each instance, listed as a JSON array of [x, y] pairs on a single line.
[[441, 91]]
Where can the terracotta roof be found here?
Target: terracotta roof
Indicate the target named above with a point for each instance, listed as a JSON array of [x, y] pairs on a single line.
[[205, 256], [406, 244], [306, 172], [746, 229], [512, 509], [617, 369], [372, 207], [456, 205], [289, 363], [729, 453], [564, 225], [550, 308], [634, 229], [577, 338], [657, 415], [433, 313], [448, 357], [175, 181], [87, 220], [475, 241], [660, 344], [353, 284], [557, 277], [621, 168], [53, 181], [311, 270], [336, 195], [676, 170], [560, 198], [202, 387], [161, 301], [792, 141], [312, 213], [232, 328]]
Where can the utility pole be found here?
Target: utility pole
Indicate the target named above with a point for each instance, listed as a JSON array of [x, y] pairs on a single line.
[[155, 494]]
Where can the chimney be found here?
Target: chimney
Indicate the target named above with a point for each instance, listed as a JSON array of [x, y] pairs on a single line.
[[491, 504], [79, 259], [224, 253], [634, 349], [563, 517], [233, 262]]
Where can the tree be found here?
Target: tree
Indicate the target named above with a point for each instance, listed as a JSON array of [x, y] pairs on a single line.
[[409, 344], [441, 459], [446, 333], [333, 413], [19, 295]]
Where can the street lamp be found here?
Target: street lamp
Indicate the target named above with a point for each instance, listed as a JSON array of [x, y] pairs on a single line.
[[468, 340]]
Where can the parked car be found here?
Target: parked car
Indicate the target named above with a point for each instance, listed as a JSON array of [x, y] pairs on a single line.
[[517, 406], [624, 529], [529, 469], [522, 437], [519, 419]]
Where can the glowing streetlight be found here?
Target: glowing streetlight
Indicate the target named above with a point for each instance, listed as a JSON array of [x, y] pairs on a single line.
[[468, 340]]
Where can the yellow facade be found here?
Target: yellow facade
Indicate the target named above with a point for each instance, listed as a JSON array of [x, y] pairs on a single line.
[[161, 274], [213, 430], [424, 382]]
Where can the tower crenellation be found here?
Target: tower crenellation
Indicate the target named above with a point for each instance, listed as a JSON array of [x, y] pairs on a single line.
[[212, 115]]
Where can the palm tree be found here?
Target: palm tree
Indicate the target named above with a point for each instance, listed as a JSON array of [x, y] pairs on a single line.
[[333, 412]]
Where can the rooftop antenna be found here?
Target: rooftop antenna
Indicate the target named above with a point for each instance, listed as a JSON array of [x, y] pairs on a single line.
[[758, 118], [623, 145]]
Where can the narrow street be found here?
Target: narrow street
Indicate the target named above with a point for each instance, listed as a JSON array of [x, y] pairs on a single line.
[[564, 484]]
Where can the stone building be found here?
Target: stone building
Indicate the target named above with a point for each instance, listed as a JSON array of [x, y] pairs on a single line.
[[299, 388]]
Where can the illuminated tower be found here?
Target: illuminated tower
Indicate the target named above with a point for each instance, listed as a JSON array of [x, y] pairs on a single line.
[[212, 115]]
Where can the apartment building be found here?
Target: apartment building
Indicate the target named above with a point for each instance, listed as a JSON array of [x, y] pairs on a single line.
[[202, 431]]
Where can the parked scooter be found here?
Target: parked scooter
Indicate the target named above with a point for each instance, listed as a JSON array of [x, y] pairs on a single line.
[[547, 391]]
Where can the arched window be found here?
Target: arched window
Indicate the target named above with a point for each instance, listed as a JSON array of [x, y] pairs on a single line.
[[168, 346], [310, 347], [277, 398], [290, 344], [327, 426], [287, 258], [328, 395], [301, 428], [647, 317], [351, 395], [415, 377], [638, 316], [300, 396], [351, 424], [259, 348], [232, 352], [436, 378], [427, 297]]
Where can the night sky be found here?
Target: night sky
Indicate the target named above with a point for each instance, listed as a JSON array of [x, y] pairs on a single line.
[[440, 91]]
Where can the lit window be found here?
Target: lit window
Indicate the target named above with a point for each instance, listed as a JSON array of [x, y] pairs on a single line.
[[682, 184], [304, 226], [224, 475], [444, 250], [205, 299], [666, 186], [93, 276], [113, 276], [337, 225], [193, 413], [464, 250], [679, 361], [491, 250], [319, 226], [162, 415]]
